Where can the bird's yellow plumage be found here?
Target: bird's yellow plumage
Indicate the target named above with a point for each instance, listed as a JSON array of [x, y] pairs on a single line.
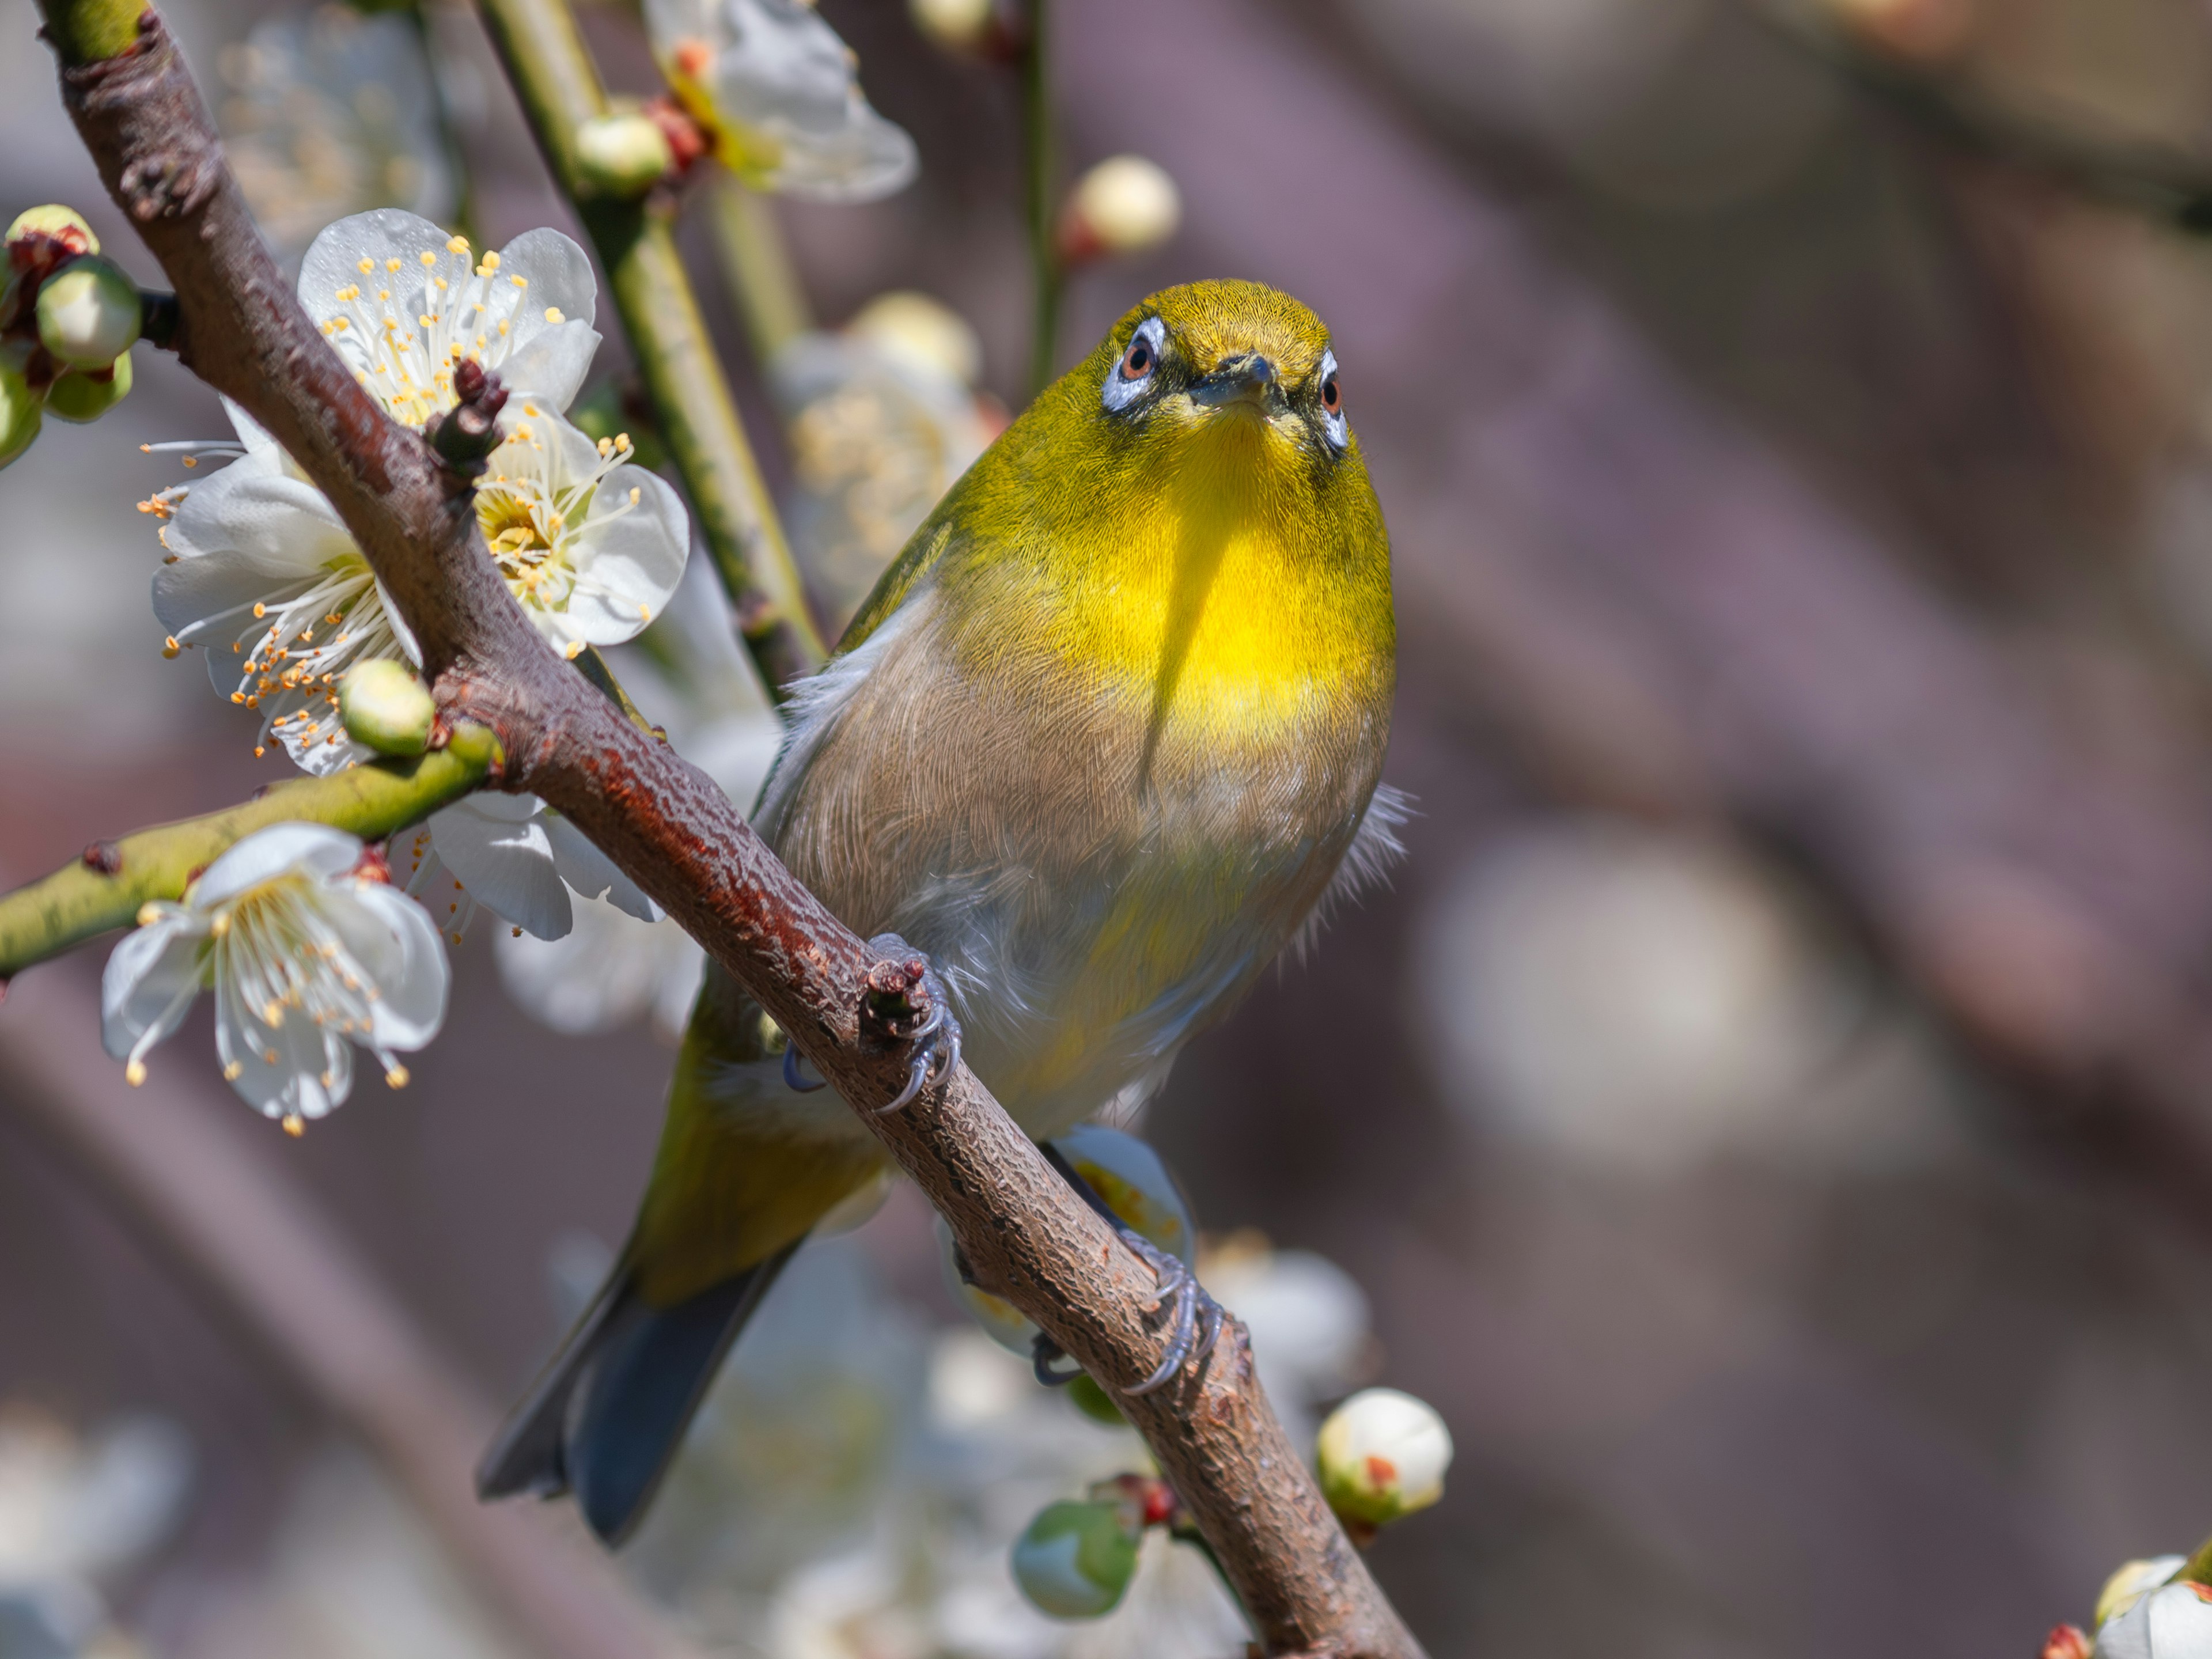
[[1099, 744]]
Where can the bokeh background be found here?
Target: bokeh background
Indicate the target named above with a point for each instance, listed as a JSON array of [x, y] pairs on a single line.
[[1770, 1111]]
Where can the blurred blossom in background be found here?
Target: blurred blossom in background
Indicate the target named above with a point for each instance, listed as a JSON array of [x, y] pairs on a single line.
[[1764, 1116], [328, 112]]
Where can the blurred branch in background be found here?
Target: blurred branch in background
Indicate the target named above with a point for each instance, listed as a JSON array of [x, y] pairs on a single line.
[[1912, 72], [758, 267], [560, 89], [182, 1166]]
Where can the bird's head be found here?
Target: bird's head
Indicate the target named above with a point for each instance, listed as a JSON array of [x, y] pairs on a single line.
[[1219, 360]]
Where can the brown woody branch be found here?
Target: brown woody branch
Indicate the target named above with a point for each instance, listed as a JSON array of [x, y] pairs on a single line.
[[1024, 1232]]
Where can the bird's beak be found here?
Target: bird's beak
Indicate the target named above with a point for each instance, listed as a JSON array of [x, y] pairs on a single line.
[[1246, 378]]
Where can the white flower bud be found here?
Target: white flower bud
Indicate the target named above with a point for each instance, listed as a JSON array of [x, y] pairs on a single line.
[[1123, 206], [962, 25], [622, 155], [88, 312], [922, 331], [1384, 1455], [2174, 1622], [385, 707], [19, 408], [1076, 1559], [86, 394]]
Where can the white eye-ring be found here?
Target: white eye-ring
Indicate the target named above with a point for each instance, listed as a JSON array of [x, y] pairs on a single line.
[[1332, 403], [1132, 376]]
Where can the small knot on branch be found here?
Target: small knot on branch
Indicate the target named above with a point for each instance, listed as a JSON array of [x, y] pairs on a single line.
[[896, 996], [465, 434], [104, 857]]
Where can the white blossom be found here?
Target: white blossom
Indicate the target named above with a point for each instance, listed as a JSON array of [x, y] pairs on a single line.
[[883, 418], [308, 952], [404, 302], [776, 87]]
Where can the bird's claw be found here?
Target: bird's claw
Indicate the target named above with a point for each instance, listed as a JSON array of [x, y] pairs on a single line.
[[899, 988], [1196, 1319], [791, 1078]]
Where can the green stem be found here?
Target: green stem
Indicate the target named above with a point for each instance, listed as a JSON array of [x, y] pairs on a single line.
[[560, 89], [106, 887], [86, 31], [758, 266], [1040, 161]]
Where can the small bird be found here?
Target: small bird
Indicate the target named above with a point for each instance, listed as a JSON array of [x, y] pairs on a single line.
[[1106, 738]]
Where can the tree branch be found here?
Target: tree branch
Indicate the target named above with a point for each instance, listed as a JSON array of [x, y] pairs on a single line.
[[560, 89], [106, 887], [1023, 1230]]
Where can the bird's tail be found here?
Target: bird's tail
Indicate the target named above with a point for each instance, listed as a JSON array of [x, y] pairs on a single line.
[[604, 1418]]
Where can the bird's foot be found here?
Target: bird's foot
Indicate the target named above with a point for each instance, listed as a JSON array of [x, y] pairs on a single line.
[[905, 1002], [1194, 1317]]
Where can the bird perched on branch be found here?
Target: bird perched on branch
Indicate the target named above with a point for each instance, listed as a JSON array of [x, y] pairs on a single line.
[[1103, 741]]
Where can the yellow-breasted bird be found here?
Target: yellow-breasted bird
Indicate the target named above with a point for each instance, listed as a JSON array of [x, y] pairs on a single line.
[[1101, 744]]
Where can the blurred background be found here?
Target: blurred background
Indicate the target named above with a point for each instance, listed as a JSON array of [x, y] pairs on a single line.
[[1770, 1111]]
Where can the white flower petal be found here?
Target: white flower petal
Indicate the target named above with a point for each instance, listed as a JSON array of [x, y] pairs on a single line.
[[262, 516], [392, 936], [333, 258], [255, 436], [553, 362], [149, 982], [314, 849], [506, 863], [632, 559], [591, 872]]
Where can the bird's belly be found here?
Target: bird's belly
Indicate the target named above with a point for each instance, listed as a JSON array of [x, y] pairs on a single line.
[[1097, 884]]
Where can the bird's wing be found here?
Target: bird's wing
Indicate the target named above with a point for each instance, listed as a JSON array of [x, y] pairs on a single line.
[[747, 1165]]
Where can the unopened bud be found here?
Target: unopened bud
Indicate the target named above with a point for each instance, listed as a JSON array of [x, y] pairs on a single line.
[[1123, 206], [19, 407], [970, 25], [385, 707], [924, 330], [1384, 1455], [86, 394], [1926, 31], [1076, 1559], [42, 238], [88, 312], [622, 155], [2066, 1641]]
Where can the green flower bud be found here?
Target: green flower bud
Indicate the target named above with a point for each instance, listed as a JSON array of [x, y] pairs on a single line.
[[86, 394], [88, 312], [1384, 1455], [1076, 1559], [962, 25], [622, 155], [385, 707], [43, 237], [19, 408]]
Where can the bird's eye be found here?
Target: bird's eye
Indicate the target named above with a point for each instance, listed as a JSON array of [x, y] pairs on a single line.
[[1131, 378], [1333, 425]]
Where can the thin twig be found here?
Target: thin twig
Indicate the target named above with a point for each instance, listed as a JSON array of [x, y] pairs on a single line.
[[1024, 1232]]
